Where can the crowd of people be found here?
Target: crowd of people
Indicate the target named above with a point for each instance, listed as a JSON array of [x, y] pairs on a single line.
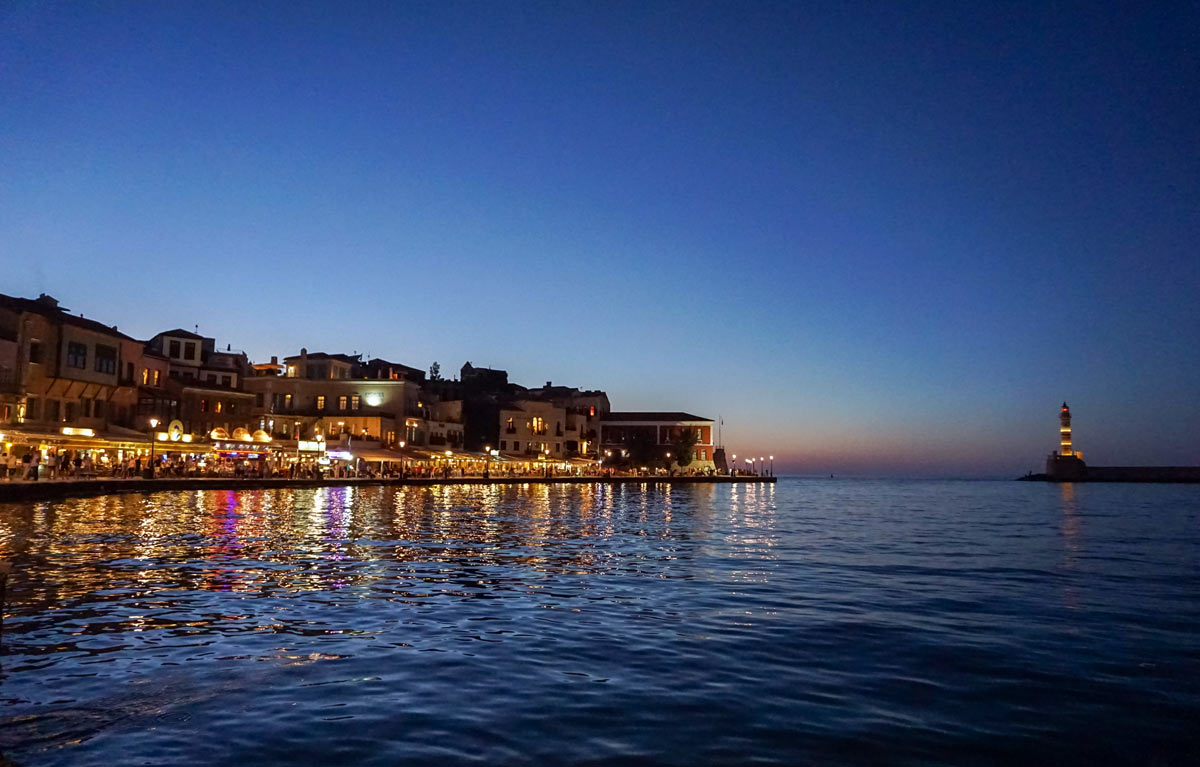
[[32, 465]]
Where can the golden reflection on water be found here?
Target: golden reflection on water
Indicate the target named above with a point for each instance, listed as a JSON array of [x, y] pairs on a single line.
[[159, 549], [1071, 529]]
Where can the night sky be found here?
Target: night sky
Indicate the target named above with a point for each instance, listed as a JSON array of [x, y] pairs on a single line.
[[877, 238]]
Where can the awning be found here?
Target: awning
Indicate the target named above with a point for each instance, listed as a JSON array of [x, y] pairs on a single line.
[[78, 438], [377, 454]]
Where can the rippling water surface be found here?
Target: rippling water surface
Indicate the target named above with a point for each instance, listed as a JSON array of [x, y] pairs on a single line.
[[823, 622]]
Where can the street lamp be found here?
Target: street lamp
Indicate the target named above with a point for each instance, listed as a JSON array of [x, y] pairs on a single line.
[[153, 437], [733, 465], [772, 465]]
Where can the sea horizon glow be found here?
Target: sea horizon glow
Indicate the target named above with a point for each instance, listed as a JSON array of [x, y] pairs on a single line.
[[875, 241]]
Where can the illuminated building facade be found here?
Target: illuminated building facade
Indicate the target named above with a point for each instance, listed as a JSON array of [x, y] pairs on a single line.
[[1064, 431], [619, 431]]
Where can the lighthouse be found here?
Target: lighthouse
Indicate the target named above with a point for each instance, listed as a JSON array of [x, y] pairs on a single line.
[[1064, 431]]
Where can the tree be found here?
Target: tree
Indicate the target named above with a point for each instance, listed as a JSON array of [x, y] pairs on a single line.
[[435, 372], [681, 448]]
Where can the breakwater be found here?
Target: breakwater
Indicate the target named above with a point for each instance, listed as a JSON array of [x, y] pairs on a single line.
[[49, 490]]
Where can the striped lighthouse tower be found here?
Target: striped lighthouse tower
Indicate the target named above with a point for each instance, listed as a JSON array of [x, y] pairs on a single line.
[[1064, 431]]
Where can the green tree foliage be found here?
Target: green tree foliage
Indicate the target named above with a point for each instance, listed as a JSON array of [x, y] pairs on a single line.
[[682, 448], [435, 372]]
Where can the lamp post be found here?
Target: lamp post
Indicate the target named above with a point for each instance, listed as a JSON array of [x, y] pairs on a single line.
[[762, 465], [153, 438], [772, 465], [733, 465]]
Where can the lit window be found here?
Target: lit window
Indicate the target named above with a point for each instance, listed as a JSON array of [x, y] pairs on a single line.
[[218, 408], [342, 402], [145, 376], [156, 374], [354, 402], [287, 401], [320, 402]]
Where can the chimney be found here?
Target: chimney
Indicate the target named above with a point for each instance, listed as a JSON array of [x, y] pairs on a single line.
[[548, 384], [274, 359]]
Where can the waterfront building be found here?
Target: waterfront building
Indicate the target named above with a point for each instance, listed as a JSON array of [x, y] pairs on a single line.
[[626, 434], [583, 412], [532, 428], [336, 397], [445, 425], [65, 381], [203, 390]]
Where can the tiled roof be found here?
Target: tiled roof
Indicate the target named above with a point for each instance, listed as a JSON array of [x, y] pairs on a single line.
[[14, 303], [326, 356], [652, 416], [181, 333]]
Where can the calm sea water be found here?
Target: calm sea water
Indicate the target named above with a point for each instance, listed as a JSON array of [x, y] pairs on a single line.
[[818, 621]]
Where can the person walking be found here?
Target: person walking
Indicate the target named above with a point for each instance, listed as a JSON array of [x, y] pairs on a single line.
[[35, 462]]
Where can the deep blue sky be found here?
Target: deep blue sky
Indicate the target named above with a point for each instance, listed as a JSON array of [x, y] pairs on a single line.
[[877, 239]]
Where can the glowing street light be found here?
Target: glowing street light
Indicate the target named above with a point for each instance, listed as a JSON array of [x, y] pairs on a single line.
[[153, 437], [772, 465]]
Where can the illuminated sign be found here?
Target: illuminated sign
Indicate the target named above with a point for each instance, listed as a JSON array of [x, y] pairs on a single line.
[[311, 446], [341, 455], [73, 432]]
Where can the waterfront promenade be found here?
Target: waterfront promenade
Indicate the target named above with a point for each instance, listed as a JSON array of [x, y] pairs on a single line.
[[64, 488]]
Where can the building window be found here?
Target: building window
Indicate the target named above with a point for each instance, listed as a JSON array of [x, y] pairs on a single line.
[[503, 444], [226, 380], [190, 350], [106, 359], [173, 350], [354, 402], [35, 353], [258, 399], [516, 445], [509, 428], [342, 402], [129, 372], [218, 408], [76, 355], [85, 407], [145, 376], [51, 410], [156, 374], [69, 412], [287, 401], [232, 407], [98, 409], [320, 402]]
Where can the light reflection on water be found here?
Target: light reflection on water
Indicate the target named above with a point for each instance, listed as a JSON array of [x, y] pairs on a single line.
[[811, 621]]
